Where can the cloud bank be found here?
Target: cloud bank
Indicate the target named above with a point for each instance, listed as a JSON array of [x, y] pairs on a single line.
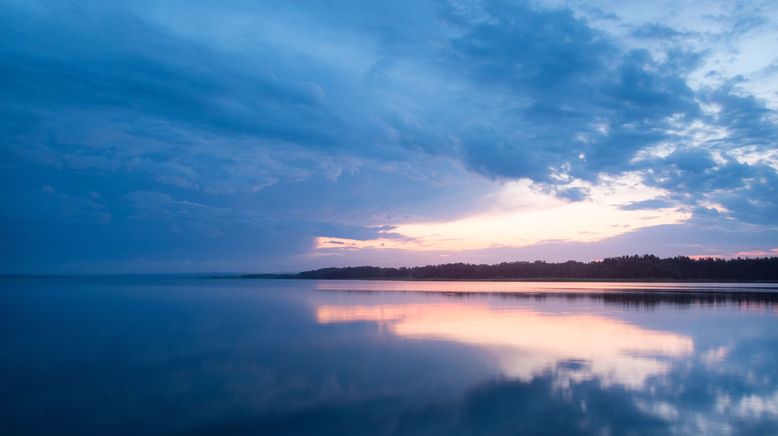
[[235, 136]]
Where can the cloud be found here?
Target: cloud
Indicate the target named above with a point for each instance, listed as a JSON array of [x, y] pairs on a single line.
[[654, 203], [656, 31], [722, 238], [340, 120], [569, 90], [745, 191]]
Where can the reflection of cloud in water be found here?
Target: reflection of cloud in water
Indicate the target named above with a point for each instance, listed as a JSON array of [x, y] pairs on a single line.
[[527, 342]]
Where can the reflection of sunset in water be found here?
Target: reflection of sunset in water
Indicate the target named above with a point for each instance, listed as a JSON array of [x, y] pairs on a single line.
[[527, 342]]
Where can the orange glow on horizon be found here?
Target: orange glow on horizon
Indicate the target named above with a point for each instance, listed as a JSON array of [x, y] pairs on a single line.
[[522, 215]]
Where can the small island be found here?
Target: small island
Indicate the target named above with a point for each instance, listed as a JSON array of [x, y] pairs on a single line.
[[623, 268]]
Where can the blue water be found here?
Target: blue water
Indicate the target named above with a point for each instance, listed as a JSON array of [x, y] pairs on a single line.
[[187, 355]]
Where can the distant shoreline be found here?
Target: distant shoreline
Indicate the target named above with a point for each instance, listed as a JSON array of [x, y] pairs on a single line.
[[239, 276], [544, 279], [636, 268]]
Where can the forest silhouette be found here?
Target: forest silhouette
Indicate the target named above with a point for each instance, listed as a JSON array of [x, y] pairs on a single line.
[[637, 267]]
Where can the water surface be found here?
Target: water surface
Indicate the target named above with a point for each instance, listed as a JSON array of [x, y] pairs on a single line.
[[183, 355]]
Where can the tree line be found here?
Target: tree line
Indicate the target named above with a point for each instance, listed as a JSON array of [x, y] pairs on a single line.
[[638, 267]]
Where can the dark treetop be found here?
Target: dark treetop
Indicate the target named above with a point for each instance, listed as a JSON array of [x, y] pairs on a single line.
[[646, 267]]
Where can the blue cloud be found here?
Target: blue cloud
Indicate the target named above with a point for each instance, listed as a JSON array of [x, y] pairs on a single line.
[[196, 124], [656, 31], [571, 91], [654, 203], [746, 190], [573, 194]]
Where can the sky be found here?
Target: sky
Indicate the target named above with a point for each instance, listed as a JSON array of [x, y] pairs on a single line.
[[204, 136]]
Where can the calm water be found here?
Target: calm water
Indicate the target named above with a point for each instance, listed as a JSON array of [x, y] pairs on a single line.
[[130, 355]]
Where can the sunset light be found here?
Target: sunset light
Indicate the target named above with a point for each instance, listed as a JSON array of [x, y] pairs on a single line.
[[526, 342]]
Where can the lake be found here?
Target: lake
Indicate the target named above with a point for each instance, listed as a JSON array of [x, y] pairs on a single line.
[[191, 355]]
